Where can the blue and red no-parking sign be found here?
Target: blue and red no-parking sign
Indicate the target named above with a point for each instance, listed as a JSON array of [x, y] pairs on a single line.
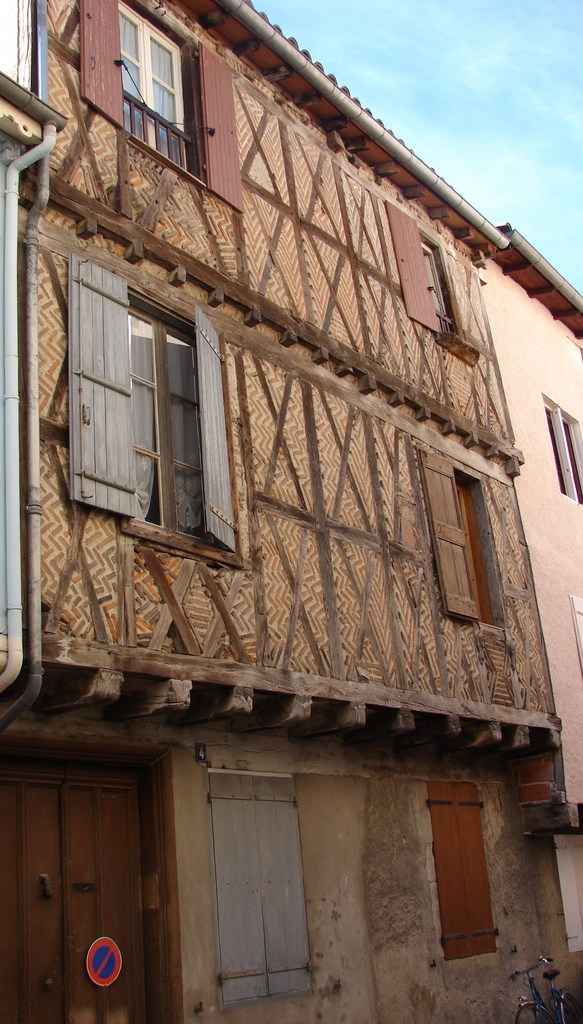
[[103, 961]]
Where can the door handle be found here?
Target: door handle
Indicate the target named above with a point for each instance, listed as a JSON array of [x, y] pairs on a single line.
[[46, 889]]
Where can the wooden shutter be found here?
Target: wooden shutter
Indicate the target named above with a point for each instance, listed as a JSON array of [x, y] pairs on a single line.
[[215, 452], [261, 921], [460, 868], [284, 917], [223, 165], [412, 270], [101, 435], [100, 48], [451, 549], [242, 962], [570, 864]]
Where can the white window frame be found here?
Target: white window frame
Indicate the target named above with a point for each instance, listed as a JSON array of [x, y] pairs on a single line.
[[571, 464], [146, 32], [577, 609]]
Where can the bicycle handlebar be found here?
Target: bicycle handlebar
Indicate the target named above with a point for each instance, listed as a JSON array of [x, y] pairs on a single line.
[[528, 970]]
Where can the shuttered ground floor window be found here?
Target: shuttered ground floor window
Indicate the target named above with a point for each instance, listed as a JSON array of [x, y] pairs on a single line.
[[460, 867], [259, 894]]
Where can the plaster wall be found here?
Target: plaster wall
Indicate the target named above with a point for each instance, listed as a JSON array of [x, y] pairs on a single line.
[[371, 897], [539, 357]]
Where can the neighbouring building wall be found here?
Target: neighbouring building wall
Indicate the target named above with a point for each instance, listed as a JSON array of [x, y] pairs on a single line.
[[541, 363]]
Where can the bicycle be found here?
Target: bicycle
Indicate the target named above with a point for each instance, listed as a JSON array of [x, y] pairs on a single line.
[[565, 1008]]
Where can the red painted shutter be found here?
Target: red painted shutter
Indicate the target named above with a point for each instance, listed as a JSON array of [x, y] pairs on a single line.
[[412, 271], [451, 549], [223, 167], [460, 868], [100, 48]]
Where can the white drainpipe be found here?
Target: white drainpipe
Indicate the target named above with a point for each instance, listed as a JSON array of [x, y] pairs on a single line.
[[11, 454]]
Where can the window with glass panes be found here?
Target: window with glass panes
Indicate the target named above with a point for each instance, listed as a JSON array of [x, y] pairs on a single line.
[[165, 414], [152, 104]]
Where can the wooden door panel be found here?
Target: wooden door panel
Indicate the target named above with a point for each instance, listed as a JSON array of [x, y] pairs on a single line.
[[31, 981], [71, 850]]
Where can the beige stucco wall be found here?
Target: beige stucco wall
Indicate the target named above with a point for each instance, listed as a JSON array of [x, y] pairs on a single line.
[[371, 897], [538, 356]]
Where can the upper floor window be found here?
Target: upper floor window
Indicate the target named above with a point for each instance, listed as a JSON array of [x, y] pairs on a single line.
[[165, 411], [176, 97], [422, 275], [437, 287], [147, 419], [463, 547], [568, 451], [153, 108]]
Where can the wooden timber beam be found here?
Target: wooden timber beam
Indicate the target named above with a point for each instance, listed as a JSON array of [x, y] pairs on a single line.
[[112, 225], [70, 656]]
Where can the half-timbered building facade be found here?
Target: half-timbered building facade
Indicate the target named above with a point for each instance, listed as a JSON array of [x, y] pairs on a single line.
[[289, 640]]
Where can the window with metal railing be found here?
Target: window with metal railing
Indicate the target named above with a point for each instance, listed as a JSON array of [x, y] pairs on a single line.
[[153, 108]]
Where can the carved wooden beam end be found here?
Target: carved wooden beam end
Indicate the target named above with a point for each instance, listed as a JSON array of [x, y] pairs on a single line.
[[432, 728], [275, 711], [219, 702], [68, 691], [152, 699], [474, 735], [330, 717], [383, 725]]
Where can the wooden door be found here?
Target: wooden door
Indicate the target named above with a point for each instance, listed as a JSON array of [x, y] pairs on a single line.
[[69, 873]]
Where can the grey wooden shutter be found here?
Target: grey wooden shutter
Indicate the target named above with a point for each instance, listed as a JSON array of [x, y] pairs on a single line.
[[262, 933], [412, 270], [223, 164], [242, 963], [100, 48], [101, 435], [215, 452], [284, 916], [451, 549]]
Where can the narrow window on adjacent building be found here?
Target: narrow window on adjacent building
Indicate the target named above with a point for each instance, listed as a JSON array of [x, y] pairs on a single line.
[[567, 448], [460, 869], [259, 898]]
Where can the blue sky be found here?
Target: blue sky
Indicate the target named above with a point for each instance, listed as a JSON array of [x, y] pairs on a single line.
[[490, 94]]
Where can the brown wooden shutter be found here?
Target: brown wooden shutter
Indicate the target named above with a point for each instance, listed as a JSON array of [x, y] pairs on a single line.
[[460, 868], [412, 270], [100, 48], [223, 166], [451, 550]]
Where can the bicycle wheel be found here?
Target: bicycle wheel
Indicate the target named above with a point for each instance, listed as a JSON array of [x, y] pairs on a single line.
[[572, 1012], [530, 1013]]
